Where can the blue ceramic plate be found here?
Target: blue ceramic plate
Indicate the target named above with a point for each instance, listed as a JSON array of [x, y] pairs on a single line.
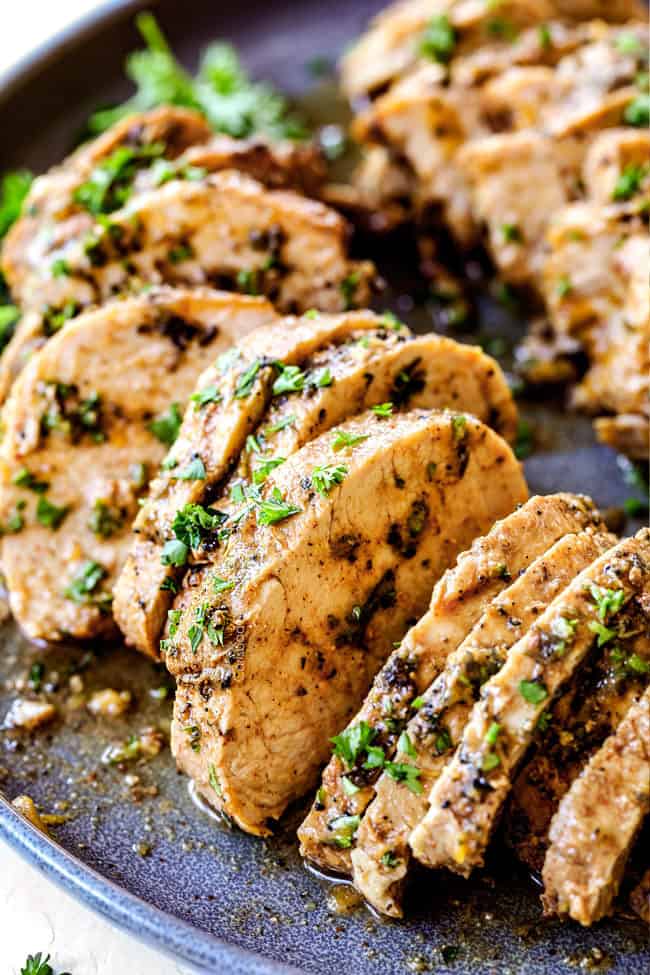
[[144, 854]]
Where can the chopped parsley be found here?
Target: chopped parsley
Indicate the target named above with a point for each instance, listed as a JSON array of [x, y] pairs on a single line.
[[261, 473], [545, 37], [350, 745], [221, 90], [439, 40], [348, 289], [195, 471], [247, 281], [629, 182], [443, 742], [50, 515], [344, 829], [25, 479], [638, 111], [511, 233], [490, 761], [166, 426], [563, 630], [325, 477], [459, 425], [55, 318], [290, 380], [603, 633], [628, 43], [532, 691], [406, 773], [104, 521], [608, 601], [342, 439], [191, 525], [111, 182], [286, 421], [389, 860], [406, 746], [38, 964], [274, 509], [322, 378], [9, 315], [246, 380], [493, 733], [383, 410], [210, 394], [221, 585], [83, 587], [214, 781], [525, 440], [563, 286], [183, 252]]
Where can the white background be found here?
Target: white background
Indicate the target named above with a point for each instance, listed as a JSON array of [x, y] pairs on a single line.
[[34, 914]]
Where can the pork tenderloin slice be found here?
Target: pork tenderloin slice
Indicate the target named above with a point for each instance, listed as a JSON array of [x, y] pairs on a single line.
[[381, 856], [226, 228], [467, 798], [458, 601], [233, 397], [597, 821], [79, 446], [391, 48], [304, 629], [613, 678], [53, 213]]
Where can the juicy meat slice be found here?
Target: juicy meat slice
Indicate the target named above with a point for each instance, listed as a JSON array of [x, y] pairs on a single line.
[[576, 727], [392, 46], [597, 821], [381, 856], [79, 447], [425, 122], [595, 288], [467, 798], [346, 365], [262, 693], [225, 230], [516, 183], [53, 212], [458, 600], [217, 430]]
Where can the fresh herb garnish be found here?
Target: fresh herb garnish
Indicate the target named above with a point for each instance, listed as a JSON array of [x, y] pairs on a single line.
[[348, 289], [273, 509], [286, 421], [221, 585], [603, 633], [608, 601], [291, 380], [83, 587], [210, 394], [638, 111], [406, 773], [111, 182], [344, 829], [221, 90], [50, 515], [342, 439], [439, 40], [383, 410], [261, 473], [104, 521], [532, 691], [629, 182], [195, 471], [191, 525], [25, 479], [352, 743], [325, 477], [246, 380], [166, 426]]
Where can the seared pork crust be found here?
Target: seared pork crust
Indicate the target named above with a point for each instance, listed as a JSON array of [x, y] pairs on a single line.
[[458, 601], [381, 857], [80, 445], [595, 826], [288, 671], [346, 365], [467, 798], [582, 718]]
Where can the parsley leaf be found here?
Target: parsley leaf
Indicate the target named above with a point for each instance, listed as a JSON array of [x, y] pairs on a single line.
[[290, 380], [326, 476], [341, 439], [167, 426], [83, 586], [352, 743], [532, 692], [50, 515], [608, 601], [13, 190], [274, 509], [439, 40]]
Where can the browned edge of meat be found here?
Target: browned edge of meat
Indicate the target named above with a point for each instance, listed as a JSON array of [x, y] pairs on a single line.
[[382, 855], [458, 600], [85, 429], [292, 670], [466, 800], [597, 821]]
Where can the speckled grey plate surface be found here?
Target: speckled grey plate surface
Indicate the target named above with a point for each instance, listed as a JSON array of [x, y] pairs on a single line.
[[143, 853]]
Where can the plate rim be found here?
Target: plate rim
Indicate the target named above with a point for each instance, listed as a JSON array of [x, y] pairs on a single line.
[[157, 928]]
